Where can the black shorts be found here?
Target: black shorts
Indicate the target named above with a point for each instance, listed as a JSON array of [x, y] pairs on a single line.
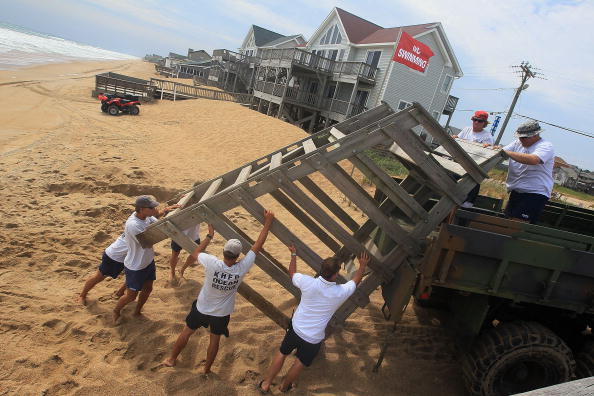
[[176, 248], [135, 279], [306, 352], [218, 324], [525, 206], [110, 267]]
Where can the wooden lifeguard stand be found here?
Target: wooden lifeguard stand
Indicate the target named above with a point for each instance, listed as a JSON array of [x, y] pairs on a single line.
[[448, 173]]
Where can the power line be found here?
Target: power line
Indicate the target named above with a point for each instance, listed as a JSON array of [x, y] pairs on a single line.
[[557, 126], [484, 89]]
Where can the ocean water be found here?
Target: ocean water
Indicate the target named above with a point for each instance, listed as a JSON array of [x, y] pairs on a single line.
[[20, 47]]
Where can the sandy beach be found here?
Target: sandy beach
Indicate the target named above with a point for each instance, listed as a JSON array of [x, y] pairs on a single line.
[[68, 176]]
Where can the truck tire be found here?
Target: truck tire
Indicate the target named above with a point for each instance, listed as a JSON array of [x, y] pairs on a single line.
[[585, 361], [516, 357]]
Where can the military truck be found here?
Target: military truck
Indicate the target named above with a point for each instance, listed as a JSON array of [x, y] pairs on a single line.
[[519, 297]]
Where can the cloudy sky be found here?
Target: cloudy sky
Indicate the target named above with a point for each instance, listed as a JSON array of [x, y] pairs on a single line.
[[488, 37]]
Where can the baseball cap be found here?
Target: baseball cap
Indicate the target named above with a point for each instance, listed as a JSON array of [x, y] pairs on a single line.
[[146, 201], [529, 128], [233, 246], [481, 115]]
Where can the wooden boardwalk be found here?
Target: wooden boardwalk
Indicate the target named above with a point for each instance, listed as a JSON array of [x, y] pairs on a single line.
[[287, 175], [175, 91]]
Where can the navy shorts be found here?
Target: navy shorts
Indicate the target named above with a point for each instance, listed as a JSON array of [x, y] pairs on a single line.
[[176, 248], [218, 324], [135, 279], [110, 267], [525, 206], [306, 352]]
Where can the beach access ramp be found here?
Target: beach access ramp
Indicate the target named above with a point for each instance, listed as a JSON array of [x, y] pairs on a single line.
[[298, 177]]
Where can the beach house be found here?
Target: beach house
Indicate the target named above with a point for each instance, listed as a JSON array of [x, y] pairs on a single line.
[[347, 67]]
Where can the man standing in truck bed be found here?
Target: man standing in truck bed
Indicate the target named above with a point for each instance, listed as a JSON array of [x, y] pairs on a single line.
[[530, 174]]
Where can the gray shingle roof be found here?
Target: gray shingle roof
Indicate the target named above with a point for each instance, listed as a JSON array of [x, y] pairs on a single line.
[[281, 40], [263, 36]]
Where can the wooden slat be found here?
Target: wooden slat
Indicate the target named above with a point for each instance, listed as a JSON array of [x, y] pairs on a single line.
[[342, 181], [179, 237], [336, 133], [415, 148], [431, 126], [263, 305], [212, 189], [323, 218], [389, 187], [324, 198], [276, 160], [309, 146], [182, 203], [305, 220], [243, 175]]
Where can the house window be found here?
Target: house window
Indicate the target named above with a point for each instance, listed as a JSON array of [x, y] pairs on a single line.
[[332, 54], [331, 90], [403, 105], [447, 83], [373, 58], [332, 36]]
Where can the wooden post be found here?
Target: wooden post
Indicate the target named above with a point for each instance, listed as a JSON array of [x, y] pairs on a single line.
[[174, 90], [353, 96]]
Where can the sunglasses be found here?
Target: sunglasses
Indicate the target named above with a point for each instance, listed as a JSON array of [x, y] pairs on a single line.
[[478, 120]]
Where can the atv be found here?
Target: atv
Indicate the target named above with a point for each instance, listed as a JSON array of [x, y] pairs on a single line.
[[113, 104]]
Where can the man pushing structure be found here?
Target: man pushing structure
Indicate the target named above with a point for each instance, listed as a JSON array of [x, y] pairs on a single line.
[[216, 300]]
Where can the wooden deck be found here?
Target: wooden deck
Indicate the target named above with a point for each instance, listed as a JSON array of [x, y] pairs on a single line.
[[287, 176]]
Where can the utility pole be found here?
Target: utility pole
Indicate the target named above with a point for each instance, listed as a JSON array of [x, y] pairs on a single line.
[[527, 73]]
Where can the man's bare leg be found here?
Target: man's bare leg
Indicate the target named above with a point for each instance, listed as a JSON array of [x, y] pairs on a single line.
[[211, 352], [172, 264], [189, 261], [273, 370], [292, 375], [122, 302], [179, 345], [120, 292], [147, 288], [89, 284]]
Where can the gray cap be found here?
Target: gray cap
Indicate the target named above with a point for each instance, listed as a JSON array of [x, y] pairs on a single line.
[[146, 201], [233, 246], [529, 128]]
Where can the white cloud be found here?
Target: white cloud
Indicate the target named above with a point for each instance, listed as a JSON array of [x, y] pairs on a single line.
[[556, 37]]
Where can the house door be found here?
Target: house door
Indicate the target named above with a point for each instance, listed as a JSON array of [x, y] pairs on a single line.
[[360, 102]]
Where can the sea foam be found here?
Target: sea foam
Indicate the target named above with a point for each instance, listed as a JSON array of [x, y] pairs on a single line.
[[22, 47]]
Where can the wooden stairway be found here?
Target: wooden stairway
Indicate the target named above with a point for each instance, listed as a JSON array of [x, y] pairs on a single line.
[[286, 176]]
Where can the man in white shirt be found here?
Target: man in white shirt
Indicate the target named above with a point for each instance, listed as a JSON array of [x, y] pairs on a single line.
[[139, 263], [112, 264], [216, 300], [476, 133], [320, 298], [530, 173]]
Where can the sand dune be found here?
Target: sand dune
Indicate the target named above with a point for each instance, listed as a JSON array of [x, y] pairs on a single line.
[[68, 174]]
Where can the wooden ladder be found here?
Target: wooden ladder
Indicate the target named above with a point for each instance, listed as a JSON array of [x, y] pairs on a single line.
[[285, 175]]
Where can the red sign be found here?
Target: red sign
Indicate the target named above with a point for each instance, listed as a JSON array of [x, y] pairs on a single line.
[[412, 53]]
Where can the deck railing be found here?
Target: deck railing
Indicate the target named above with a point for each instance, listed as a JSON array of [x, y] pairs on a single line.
[[358, 69]]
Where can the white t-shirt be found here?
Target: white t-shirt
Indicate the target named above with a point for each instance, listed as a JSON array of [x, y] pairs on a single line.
[[535, 179], [217, 296], [483, 136], [137, 258], [319, 300], [118, 249], [193, 232]]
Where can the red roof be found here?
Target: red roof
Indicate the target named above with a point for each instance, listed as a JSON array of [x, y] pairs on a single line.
[[361, 31]]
